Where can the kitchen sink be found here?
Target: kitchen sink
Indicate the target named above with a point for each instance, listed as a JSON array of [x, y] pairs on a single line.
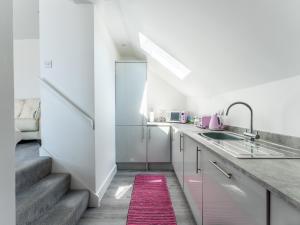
[[242, 148], [220, 136]]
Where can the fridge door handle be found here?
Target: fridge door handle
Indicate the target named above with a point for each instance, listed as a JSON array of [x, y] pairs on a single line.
[[143, 133]]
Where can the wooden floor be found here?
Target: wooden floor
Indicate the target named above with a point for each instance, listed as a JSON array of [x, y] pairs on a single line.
[[114, 205]]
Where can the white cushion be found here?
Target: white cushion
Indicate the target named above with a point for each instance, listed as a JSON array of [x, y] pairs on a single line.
[[27, 124], [19, 103], [30, 109]]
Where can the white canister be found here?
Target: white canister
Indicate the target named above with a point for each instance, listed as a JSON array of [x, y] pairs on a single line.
[[151, 117]]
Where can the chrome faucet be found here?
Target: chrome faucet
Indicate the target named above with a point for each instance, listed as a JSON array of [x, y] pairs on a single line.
[[250, 134]]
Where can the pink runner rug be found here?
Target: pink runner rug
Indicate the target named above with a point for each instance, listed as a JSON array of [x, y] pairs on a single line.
[[150, 202]]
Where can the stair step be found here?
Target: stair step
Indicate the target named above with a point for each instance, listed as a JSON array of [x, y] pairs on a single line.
[[41, 197], [27, 150], [67, 211], [29, 172]]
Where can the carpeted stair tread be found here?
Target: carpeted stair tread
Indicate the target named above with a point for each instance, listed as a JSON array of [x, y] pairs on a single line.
[[30, 171], [67, 211], [39, 198], [25, 151]]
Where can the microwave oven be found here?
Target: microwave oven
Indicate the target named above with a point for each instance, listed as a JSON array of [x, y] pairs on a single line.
[[176, 117]]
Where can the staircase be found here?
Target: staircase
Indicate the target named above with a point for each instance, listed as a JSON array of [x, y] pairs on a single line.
[[45, 198]]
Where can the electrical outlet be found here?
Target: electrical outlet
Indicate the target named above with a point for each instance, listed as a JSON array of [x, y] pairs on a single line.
[[48, 64]]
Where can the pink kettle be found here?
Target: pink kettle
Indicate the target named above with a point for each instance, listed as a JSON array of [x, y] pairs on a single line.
[[215, 123]]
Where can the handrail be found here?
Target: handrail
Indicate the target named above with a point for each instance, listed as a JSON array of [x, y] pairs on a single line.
[[85, 115]]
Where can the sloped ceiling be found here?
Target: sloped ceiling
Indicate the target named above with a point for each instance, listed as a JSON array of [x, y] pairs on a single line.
[[227, 44]]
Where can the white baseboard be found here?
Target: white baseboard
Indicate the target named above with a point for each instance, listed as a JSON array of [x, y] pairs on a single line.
[[103, 188]]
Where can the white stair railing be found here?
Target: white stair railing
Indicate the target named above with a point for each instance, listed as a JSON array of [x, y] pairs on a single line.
[[73, 105]]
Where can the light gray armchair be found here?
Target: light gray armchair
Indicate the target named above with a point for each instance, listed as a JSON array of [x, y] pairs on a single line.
[[27, 119]]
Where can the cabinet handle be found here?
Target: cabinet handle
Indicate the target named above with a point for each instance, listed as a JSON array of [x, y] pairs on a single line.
[[181, 143], [228, 175], [143, 119], [197, 160], [149, 133], [143, 133], [172, 136]]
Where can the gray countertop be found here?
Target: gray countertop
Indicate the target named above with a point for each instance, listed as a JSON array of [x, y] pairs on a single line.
[[280, 176], [158, 124]]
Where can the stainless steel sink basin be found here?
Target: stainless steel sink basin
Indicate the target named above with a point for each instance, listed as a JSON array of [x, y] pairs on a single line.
[[221, 136], [242, 148]]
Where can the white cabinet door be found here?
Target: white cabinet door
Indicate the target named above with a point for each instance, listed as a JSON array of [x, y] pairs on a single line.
[[131, 144], [193, 177], [131, 93], [159, 149], [283, 213], [177, 154], [230, 197]]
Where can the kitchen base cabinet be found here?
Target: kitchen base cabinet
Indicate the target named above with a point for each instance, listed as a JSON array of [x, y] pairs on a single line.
[[177, 154], [158, 144], [131, 144], [230, 197], [193, 178], [282, 213]]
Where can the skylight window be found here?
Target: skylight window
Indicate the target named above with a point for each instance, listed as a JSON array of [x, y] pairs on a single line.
[[177, 68]]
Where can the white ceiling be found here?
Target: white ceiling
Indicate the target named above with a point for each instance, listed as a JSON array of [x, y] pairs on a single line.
[[227, 44]]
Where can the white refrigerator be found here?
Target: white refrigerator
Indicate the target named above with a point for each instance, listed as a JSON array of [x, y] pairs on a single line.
[[131, 112]]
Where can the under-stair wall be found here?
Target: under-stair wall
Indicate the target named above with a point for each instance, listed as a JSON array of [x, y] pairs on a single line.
[[68, 138], [67, 89], [77, 94]]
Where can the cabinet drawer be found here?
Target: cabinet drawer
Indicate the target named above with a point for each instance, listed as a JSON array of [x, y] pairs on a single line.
[[230, 197]]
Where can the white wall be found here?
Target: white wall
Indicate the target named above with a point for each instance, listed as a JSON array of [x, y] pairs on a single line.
[[7, 163], [275, 104], [105, 57], [26, 68], [75, 38], [69, 139], [66, 38], [162, 96], [26, 19]]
